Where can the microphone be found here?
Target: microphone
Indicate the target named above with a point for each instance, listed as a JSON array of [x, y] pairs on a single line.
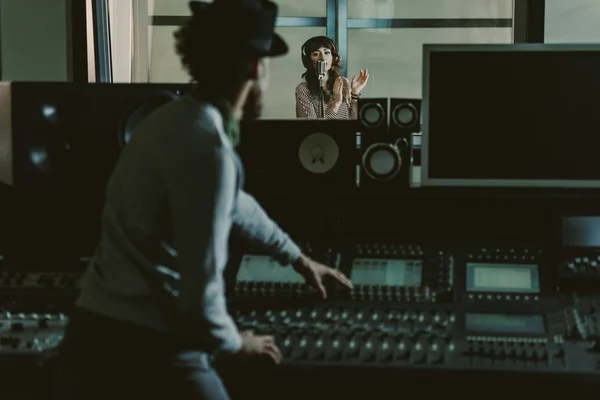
[[321, 72]]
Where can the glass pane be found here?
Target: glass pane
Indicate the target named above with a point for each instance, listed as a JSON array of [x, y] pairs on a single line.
[[304, 8], [286, 71], [164, 63], [120, 16], [573, 21], [169, 7], [430, 8], [394, 56], [287, 8]]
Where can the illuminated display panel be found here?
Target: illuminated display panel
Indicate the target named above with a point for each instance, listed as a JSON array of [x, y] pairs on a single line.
[[258, 268], [505, 323], [374, 271], [489, 277]]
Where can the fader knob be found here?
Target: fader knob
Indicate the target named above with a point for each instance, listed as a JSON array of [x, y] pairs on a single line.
[[418, 354], [335, 352], [385, 351], [369, 351], [287, 347], [352, 348], [329, 315], [319, 350], [436, 354], [402, 351], [344, 315], [301, 350]]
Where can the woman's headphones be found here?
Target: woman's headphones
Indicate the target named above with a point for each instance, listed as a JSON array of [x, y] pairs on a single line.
[[306, 57]]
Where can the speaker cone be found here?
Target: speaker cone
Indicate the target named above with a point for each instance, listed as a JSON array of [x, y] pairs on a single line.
[[372, 115], [318, 153], [382, 161], [405, 115]]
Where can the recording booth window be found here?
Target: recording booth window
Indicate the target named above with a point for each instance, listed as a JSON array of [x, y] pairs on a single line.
[[155, 61], [384, 36], [573, 21]]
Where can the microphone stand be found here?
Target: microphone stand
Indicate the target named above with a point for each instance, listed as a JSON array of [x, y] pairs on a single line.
[[322, 96]]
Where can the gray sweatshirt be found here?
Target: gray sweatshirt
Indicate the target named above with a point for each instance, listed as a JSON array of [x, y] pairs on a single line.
[[173, 199]]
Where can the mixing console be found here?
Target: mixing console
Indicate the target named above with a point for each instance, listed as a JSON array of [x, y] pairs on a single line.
[[22, 280], [32, 312], [433, 337], [23, 334], [380, 273], [349, 335], [583, 318], [439, 308], [580, 262], [447, 308], [398, 272]]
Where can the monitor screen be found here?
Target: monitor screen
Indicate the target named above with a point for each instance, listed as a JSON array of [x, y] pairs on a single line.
[[261, 268], [503, 278], [511, 116], [388, 272], [505, 324]]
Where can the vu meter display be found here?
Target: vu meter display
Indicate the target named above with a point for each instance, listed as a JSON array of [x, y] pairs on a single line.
[[373, 271], [521, 278], [257, 268]]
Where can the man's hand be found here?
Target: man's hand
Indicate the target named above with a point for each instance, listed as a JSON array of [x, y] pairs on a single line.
[[254, 345], [314, 273]]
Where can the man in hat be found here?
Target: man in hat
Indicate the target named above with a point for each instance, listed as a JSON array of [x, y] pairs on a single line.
[[151, 312]]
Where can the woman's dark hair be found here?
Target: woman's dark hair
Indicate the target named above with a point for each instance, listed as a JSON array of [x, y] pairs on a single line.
[[310, 75], [215, 64]]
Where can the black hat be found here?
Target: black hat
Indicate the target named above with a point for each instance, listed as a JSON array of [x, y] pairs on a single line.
[[251, 22]]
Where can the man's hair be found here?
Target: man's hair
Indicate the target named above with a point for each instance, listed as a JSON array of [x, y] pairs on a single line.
[[216, 63]]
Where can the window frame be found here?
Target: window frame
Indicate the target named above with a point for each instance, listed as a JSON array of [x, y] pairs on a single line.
[[527, 23], [102, 41]]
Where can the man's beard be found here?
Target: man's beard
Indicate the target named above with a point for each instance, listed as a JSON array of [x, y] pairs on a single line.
[[253, 106]]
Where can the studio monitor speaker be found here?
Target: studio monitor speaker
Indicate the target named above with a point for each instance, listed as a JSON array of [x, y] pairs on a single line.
[[299, 155], [405, 116], [373, 114], [384, 162], [59, 143]]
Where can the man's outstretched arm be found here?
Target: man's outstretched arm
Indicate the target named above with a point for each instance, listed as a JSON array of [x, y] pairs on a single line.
[[251, 222]]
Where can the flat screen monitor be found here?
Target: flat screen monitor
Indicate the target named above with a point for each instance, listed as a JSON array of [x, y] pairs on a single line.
[[522, 115]]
